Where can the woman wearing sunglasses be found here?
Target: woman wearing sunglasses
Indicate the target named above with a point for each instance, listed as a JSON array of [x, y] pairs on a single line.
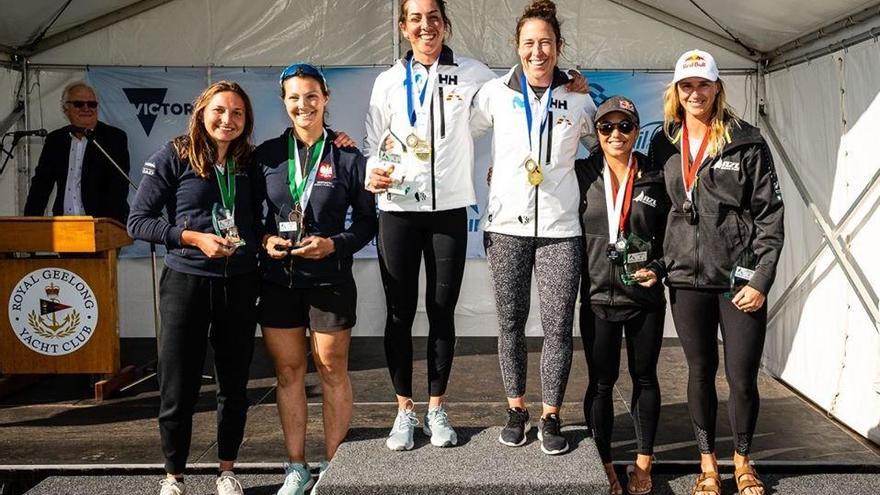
[[623, 213], [724, 236], [531, 221], [310, 183], [209, 285]]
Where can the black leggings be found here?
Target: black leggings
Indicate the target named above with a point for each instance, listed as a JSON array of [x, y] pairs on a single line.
[[403, 238], [697, 314], [644, 337]]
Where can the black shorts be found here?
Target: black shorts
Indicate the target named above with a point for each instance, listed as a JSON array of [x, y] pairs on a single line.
[[322, 309]]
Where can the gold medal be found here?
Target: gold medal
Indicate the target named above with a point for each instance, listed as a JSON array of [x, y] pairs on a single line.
[[412, 140], [536, 177], [422, 150], [534, 171]]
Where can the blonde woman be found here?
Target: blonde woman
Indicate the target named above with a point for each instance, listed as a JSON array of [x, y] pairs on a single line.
[[723, 240]]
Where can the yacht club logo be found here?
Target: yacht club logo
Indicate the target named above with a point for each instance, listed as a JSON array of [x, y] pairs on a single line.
[[53, 311]]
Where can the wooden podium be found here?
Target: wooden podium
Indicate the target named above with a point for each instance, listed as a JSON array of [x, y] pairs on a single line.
[[59, 302]]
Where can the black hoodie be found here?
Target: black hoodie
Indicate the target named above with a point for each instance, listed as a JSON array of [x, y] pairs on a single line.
[[739, 207], [600, 279]]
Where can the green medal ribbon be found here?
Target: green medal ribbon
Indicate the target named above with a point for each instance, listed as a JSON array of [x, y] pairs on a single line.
[[226, 181], [297, 177]]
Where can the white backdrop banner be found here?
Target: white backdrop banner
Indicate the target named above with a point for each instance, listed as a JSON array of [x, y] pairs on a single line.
[[152, 105]]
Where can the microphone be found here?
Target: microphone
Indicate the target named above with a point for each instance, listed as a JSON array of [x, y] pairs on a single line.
[[34, 132]]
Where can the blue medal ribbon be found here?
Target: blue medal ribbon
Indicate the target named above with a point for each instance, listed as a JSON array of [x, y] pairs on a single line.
[[524, 87], [408, 84]]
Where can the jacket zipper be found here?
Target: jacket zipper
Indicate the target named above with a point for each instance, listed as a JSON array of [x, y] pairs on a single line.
[[442, 114], [433, 179]]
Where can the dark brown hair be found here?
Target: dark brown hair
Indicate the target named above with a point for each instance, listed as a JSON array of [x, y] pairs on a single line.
[[544, 10], [198, 147], [441, 6]]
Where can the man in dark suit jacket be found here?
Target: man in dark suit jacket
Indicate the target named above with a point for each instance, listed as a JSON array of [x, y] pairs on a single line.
[[87, 183]]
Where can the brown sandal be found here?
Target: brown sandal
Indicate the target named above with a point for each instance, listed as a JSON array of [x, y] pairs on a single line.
[[747, 470], [701, 484], [637, 486]]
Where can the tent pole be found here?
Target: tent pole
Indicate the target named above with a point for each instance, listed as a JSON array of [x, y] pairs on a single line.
[[840, 35], [851, 269]]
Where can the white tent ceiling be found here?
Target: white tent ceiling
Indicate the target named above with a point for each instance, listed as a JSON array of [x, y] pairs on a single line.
[[599, 24]]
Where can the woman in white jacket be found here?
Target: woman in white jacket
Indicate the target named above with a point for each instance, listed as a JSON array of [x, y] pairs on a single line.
[[423, 104], [531, 221]]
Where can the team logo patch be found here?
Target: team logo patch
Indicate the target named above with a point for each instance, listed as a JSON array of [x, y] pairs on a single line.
[[452, 96], [693, 60], [149, 169], [726, 165], [564, 120], [626, 105], [53, 311], [645, 199], [325, 171]]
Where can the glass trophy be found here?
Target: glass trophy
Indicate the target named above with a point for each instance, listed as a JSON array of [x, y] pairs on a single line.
[[635, 257], [224, 224], [291, 228], [742, 272]]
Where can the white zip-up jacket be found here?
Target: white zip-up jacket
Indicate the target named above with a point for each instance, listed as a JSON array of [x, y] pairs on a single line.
[[446, 180], [515, 206]]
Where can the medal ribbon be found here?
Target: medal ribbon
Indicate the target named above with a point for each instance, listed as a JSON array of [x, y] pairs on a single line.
[[688, 169], [618, 205], [226, 181], [408, 83], [300, 188], [524, 87]]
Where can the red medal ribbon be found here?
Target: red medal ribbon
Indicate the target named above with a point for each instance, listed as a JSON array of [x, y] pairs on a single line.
[[688, 169], [627, 195]]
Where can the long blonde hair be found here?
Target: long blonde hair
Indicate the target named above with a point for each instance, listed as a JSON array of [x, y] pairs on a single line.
[[199, 148], [723, 117]]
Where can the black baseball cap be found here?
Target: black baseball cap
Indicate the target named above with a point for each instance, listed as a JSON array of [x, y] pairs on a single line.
[[620, 104]]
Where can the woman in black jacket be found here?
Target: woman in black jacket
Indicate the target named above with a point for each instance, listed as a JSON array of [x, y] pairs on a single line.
[[724, 236], [209, 285], [310, 183], [623, 214]]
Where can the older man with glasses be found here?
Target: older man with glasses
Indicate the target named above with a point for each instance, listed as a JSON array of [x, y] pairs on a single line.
[[87, 182]]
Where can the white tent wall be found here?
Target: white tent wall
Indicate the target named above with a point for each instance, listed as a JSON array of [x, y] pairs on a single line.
[[823, 342], [8, 187]]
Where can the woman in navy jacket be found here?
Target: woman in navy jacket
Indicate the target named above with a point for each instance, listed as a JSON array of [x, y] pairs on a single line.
[[209, 285], [310, 183], [622, 197]]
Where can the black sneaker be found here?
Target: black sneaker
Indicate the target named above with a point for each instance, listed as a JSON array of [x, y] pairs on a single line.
[[550, 435], [518, 426]]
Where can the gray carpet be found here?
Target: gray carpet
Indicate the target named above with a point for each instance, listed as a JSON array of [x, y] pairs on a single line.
[[808, 484], [478, 466]]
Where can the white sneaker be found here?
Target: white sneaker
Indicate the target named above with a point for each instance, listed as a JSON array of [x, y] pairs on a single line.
[[171, 486], [437, 427], [401, 435], [228, 485], [321, 470]]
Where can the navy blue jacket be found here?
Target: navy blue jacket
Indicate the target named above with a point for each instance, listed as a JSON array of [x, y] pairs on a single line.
[[339, 184], [171, 184]]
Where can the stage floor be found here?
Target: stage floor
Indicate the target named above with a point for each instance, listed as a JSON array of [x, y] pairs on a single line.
[[55, 422]]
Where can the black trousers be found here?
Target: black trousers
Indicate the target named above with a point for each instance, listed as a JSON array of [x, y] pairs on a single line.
[[196, 310], [404, 237], [697, 314], [602, 339]]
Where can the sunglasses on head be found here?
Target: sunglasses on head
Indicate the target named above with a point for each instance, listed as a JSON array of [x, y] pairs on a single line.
[[606, 128], [301, 69], [80, 103]]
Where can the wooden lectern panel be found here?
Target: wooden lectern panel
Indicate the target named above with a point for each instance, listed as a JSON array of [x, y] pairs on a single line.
[[61, 234], [47, 321]]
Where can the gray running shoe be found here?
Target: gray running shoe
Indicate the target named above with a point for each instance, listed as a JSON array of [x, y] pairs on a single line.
[[437, 427], [321, 471], [401, 435], [297, 479], [228, 485], [172, 487]]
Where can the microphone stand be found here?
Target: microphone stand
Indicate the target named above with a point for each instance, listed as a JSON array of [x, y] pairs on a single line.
[[151, 370]]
